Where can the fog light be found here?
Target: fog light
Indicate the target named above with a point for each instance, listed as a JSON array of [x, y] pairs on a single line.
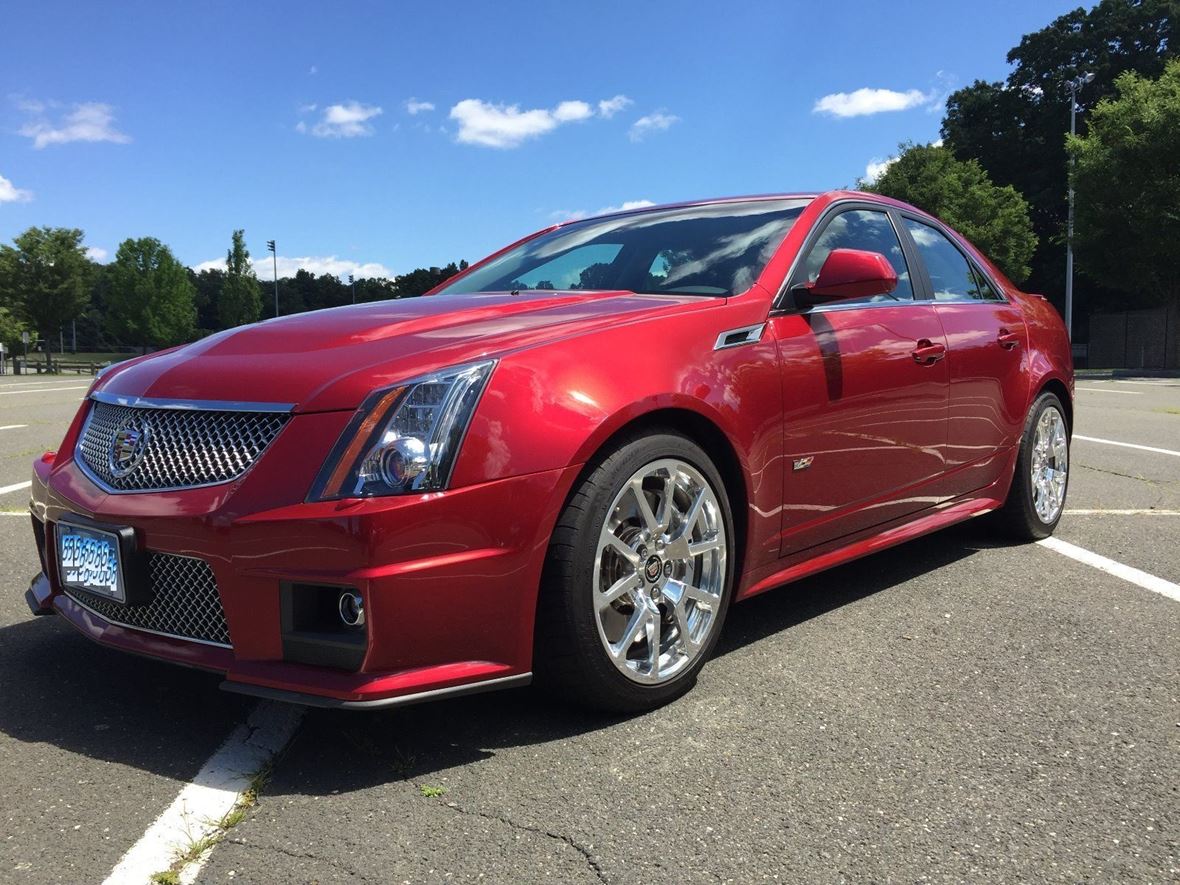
[[352, 609]]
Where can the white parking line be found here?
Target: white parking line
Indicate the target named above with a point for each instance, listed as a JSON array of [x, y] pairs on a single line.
[[15, 487], [1111, 390], [200, 807], [44, 382], [13, 426], [1125, 445], [1147, 512], [1111, 567], [43, 390]]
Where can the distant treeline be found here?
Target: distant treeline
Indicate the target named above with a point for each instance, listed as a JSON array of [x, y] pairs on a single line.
[[52, 290]]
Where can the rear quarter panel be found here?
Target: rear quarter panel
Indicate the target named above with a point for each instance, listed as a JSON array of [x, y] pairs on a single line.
[[1050, 353]]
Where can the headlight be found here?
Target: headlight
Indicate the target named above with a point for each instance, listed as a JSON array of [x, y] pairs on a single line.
[[404, 439]]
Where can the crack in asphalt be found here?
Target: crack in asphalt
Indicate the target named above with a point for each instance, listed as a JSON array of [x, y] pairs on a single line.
[[1150, 482], [560, 837], [305, 855]]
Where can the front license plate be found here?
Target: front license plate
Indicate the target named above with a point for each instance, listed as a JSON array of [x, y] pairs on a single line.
[[89, 559]]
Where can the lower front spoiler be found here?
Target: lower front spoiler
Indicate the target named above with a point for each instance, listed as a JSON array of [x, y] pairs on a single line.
[[315, 700], [281, 680], [37, 596]]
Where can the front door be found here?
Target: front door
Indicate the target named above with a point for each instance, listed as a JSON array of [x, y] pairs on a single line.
[[865, 417]]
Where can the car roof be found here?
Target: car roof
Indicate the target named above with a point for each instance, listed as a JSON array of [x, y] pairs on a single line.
[[828, 196]]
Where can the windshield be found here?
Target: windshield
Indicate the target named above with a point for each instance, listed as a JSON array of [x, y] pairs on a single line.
[[712, 250]]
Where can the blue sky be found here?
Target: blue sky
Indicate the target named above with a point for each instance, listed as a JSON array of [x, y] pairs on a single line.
[[377, 137]]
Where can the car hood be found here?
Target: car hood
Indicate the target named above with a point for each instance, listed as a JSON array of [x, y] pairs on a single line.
[[331, 359]]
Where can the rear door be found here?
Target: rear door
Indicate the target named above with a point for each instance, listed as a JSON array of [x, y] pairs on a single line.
[[987, 345], [865, 420]]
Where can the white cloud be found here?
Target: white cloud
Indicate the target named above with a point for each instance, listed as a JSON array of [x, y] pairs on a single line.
[[10, 193], [316, 264], [89, 121], [876, 168], [870, 101], [569, 111], [96, 253], [347, 120], [608, 107], [577, 214], [507, 126], [657, 122], [414, 107], [936, 143]]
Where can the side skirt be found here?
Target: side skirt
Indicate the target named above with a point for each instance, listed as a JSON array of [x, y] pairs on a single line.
[[882, 537]]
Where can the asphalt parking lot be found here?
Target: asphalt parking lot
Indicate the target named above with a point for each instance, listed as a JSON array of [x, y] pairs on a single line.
[[953, 709]]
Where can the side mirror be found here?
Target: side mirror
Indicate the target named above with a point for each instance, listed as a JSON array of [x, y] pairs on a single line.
[[852, 273]]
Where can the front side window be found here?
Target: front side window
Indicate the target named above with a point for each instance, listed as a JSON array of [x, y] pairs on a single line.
[[713, 250], [869, 230], [951, 275]]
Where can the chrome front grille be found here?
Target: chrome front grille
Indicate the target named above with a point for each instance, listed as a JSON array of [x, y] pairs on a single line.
[[167, 448], [185, 602]]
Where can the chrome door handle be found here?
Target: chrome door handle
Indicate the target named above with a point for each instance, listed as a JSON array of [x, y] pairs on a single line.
[[927, 353], [1008, 340]]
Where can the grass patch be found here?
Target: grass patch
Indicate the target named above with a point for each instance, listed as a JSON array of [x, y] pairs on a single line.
[[433, 792], [233, 817]]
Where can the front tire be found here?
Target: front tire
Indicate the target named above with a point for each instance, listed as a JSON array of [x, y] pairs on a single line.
[[638, 577], [1036, 499]]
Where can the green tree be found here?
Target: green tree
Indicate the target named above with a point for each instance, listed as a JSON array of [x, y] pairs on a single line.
[[150, 300], [45, 279], [1016, 129], [10, 332], [240, 301], [1127, 178], [960, 193], [421, 280]]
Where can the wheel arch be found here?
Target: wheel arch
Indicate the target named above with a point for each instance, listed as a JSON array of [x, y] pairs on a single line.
[[1059, 388], [706, 433]]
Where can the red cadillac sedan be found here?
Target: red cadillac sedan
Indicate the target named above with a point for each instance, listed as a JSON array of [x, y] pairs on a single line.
[[566, 461]]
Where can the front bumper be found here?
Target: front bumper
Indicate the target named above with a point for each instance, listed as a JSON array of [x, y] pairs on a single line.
[[449, 580]]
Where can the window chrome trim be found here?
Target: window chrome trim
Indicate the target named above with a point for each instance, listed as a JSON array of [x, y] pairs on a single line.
[[837, 307], [738, 337], [196, 405]]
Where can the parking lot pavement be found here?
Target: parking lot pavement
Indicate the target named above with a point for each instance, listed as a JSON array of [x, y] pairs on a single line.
[[93, 744], [34, 415], [951, 709]]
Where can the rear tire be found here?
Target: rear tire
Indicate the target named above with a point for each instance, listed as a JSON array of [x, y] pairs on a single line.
[[1036, 499], [637, 578]]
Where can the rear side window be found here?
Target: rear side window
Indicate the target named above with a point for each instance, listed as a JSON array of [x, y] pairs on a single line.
[[951, 275], [868, 230]]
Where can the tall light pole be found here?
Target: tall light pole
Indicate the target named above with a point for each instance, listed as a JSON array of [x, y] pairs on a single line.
[[352, 284], [270, 245], [1073, 86]]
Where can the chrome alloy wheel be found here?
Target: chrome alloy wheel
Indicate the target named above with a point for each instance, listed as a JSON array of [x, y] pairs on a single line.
[[659, 573], [1050, 465]]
